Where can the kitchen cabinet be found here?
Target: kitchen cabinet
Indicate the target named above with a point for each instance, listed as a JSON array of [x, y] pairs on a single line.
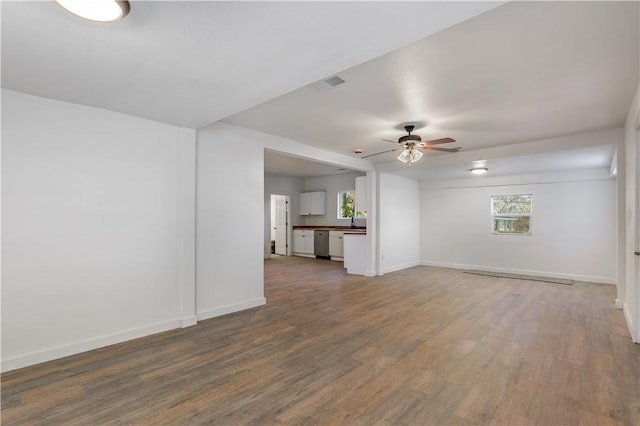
[[313, 203], [336, 245], [303, 243], [361, 194]]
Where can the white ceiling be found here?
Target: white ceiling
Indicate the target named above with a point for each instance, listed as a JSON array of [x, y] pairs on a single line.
[[191, 63], [546, 162], [281, 164], [483, 73], [522, 72]]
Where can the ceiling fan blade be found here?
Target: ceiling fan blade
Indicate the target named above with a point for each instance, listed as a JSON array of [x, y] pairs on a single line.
[[387, 140], [383, 152], [438, 141], [433, 148]]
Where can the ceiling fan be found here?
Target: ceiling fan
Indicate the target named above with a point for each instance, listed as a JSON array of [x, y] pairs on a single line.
[[412, 144]]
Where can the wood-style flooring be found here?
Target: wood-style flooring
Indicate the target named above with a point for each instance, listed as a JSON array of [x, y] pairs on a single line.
[[423, 346]]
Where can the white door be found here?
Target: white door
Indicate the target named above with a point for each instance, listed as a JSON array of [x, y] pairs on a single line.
[[281, 223]]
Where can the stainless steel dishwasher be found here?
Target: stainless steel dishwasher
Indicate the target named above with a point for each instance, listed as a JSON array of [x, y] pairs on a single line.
[[321, 243]]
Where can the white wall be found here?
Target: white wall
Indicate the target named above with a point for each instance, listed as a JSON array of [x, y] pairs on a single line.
[[98, 230], [332, 185], [631, 294], [229, 221], [98, 233], [281, 185], [399, 216], [573, 229], [230, 213]]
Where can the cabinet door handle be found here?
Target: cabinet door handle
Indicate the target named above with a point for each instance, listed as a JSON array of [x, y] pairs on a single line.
[[637, 253]]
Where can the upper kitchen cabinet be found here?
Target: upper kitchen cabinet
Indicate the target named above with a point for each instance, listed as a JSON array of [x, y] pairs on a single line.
[[361, 194], [313, 203]]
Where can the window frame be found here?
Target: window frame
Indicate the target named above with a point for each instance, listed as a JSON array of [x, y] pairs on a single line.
[[495, 216]]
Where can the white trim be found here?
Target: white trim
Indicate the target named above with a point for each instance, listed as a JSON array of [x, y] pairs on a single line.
[[310, 256], [188, 321], [619, 304], [228, 309], [584, 278], [395, 268], [87, 345], [634, 338]]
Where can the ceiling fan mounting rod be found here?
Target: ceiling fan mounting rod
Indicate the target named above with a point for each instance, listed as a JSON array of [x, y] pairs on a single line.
[[409, 136]]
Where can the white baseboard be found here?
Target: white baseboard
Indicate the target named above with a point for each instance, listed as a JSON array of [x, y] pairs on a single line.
[[584, 278], [188, 322], [86, 345], [228, 309], [394, 268], [630, 324], [310, 256], [619, 304], [74, 348]]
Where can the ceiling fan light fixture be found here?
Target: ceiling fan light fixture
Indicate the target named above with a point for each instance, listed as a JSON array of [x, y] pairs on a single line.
[[96, 10], [412, 146], [479, 170], [410, 156]]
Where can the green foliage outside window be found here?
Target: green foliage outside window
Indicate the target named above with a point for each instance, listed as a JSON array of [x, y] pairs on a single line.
[[347, 206], [506, 204]]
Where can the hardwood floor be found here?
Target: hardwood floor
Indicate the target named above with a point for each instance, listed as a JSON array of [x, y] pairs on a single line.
[[423, 346]]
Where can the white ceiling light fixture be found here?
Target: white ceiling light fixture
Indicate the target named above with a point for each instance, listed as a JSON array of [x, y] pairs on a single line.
[[410, 155], [96, 10], [479, 170]]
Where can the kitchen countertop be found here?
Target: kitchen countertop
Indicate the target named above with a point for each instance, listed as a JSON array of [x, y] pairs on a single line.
[[338, 228], [356, 230]]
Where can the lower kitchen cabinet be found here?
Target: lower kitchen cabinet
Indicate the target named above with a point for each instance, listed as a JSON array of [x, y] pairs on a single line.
[[303, 243], [336, 245]]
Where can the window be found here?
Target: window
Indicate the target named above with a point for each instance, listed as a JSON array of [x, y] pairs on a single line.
[[347, 205], [511, 214]]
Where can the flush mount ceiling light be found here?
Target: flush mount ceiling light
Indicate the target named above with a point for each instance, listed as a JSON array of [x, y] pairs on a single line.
[[96, 10], [479, 170]]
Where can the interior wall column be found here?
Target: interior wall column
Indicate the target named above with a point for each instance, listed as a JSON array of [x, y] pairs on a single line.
[[186, 218], [373, 225]]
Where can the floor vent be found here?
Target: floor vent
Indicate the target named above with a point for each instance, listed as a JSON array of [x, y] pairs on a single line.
[[521, 277]]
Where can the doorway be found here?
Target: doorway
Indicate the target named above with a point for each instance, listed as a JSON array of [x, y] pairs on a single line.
[[280, 224]]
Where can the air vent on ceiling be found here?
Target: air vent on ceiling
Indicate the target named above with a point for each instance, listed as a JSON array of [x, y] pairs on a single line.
[[329, 83], [334, 81]]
